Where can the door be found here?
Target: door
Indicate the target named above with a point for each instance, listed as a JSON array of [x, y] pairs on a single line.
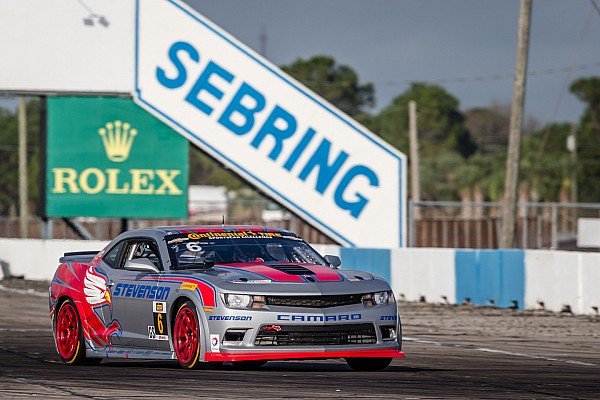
[[134, 293]]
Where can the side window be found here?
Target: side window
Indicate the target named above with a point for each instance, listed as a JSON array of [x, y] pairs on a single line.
[[112, 257], [142, 248]]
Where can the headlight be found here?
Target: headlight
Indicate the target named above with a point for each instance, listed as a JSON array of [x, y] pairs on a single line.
[[377, 298], [238, 300], [235, 300], [381, 298]]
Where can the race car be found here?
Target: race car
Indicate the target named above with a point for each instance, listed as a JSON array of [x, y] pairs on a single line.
[[244, 295]]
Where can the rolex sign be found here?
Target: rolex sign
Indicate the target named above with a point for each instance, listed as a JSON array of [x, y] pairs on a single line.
[[107, 157]]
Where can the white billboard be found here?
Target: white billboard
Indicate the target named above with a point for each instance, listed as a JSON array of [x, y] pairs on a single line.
[[267, 127], [67, 46]]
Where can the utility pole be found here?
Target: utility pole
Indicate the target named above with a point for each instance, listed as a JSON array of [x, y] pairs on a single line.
[[572, 147], [516, 125], [263, 41], [414, 158], [23, 196]]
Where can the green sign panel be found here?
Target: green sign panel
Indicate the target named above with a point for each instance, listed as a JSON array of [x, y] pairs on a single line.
[[107, 157]]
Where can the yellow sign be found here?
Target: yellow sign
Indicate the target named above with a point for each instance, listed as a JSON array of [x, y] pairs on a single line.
[[107, 157]]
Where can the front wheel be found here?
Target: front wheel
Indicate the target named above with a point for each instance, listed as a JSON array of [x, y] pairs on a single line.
[[186, 336], [368, 364]]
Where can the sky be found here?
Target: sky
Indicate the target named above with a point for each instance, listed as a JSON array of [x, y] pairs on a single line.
[[466, 46]]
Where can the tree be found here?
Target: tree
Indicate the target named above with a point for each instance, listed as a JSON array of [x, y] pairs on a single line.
[[546, 173], [440, 123], [588, 91], [489, 126], [9, 167], [206, 171], [588, 139], [336, 83]]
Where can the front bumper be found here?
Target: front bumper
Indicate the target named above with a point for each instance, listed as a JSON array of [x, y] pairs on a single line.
[[301, 333]]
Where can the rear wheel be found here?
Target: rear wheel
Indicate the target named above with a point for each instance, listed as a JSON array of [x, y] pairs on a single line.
[[368, 364], [186, 336], [69, 336]]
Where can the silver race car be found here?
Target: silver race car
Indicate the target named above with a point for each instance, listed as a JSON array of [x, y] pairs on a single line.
[[239, 294]]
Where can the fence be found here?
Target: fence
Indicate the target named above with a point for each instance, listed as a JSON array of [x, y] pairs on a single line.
[[430, 224], [477, 225]]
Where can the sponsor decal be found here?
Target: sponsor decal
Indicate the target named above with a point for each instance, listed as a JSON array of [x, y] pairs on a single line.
[[230, 318], [177, 240], [151, 332], [98, 331], [141, 291], [252, 281], [276, 328], [318, 318], [249, 234], [388, 318], [188, 286], [214, 343], [159, 306]]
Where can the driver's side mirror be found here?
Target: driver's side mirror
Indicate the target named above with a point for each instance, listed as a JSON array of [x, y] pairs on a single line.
[[335, 261], [141, 265]]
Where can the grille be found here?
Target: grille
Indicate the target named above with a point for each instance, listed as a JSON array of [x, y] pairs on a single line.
[[294, 335], [315, 301], [293, 269]]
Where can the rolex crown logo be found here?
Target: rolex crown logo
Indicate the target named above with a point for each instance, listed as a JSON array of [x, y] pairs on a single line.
[[117, 138]]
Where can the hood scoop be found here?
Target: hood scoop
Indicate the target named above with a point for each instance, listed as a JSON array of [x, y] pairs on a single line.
[[292, 269]]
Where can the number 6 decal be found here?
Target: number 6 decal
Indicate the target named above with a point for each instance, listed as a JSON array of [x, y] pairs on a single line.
[[193, 246]]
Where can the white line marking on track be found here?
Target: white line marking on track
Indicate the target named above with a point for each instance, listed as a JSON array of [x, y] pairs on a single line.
[[486, 350]]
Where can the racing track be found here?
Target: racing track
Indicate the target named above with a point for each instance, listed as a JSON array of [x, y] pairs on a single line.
[[453, 352]]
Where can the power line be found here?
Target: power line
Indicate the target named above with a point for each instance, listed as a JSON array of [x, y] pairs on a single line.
[[475, 78], [595, 6], [498, 77]]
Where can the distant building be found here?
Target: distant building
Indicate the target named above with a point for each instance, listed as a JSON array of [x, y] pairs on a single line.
[[207, 203]]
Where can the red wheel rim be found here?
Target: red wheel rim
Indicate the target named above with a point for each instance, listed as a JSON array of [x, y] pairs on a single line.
[[67, 331], [186, 335]]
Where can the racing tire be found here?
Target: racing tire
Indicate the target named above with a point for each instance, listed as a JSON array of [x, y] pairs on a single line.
[[368, 364], [69, 336], [186, 336]]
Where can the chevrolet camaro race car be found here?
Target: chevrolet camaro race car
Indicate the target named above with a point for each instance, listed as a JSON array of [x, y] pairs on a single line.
[[238, 294]]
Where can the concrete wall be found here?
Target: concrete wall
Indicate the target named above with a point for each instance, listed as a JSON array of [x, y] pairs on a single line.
[[532, 279], [38, 259]]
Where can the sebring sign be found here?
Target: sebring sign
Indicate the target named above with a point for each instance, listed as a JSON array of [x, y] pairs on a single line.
[[267, 127], [109, 158]]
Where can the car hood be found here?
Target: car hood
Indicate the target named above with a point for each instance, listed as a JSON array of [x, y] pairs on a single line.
[[272, 277]]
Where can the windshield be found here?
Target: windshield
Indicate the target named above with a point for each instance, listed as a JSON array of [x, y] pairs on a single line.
[[188, 251]]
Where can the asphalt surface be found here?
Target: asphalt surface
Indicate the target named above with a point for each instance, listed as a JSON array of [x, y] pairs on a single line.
[[452, 352]]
